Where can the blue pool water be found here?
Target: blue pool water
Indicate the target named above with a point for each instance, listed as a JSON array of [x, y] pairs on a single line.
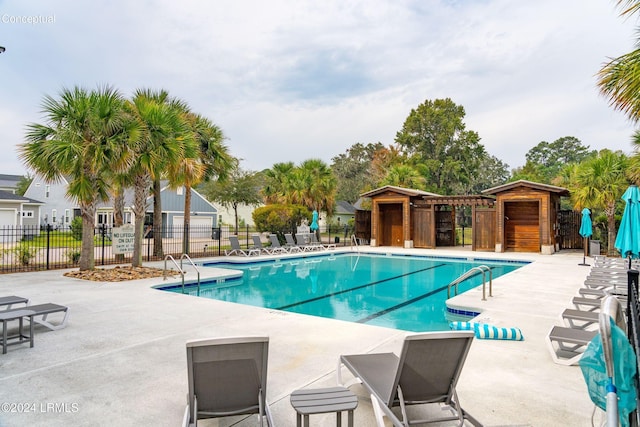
[[401, 292]]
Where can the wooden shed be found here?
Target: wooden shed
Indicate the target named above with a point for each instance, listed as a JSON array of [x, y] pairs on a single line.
[[527, 216], [414, 218], [391, 219]]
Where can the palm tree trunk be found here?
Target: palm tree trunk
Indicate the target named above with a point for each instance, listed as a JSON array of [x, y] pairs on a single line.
[[140, 197], [118, 214], [157, 220], [87, 256]]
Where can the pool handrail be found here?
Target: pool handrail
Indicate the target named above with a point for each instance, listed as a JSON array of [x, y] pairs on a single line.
[[471, 272], [164, 270], [354, 242], [185, 256]]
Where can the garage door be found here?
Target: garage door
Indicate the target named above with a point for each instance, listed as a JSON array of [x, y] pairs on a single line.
[[200, 226], [8, 221]]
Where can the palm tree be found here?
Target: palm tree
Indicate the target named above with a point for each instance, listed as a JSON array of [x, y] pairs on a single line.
[[316, 186], [164, 143], [212, 159], [404, 176], [85, 135], [619, 79], [277, 182], [598, 183]]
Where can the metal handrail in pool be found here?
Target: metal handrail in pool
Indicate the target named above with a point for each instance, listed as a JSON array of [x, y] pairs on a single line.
[[164, 271], [481, 268], [354, 242], [185, 256]]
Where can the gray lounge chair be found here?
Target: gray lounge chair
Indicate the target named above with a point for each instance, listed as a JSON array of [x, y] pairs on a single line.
[[567, 344], [276, 247], [426, 371], [9, 301], [227, 376], [314, 241], [579, 319], [305, 243], [257, 244], [237, 250], [292, 246], [587, 304], [42, 312]]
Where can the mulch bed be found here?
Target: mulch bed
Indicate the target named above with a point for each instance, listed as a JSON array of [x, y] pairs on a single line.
[[119, 273]]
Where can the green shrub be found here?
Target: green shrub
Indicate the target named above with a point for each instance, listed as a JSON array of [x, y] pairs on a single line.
[[280, 219], [24, 253], [73, 256], [76, 228]]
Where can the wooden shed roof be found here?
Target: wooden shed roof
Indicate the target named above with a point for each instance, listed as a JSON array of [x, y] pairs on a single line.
[[404, 191], [529, 184]]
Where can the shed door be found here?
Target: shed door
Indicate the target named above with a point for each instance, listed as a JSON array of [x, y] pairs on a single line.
[[422, 225], [522, 226], [484, 230], [391, 225]]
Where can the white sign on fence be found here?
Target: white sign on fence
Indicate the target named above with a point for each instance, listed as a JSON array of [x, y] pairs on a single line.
[[122, 239]]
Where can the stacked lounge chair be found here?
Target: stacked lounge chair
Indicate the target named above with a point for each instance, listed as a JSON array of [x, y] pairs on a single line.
[[608, 277]]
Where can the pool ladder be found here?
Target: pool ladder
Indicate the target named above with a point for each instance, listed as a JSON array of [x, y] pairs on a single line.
[[180, 269], [472, 272]]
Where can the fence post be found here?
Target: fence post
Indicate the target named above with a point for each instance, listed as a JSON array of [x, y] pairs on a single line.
[[48, 243]]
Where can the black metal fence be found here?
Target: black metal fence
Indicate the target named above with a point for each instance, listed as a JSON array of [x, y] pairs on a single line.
[[34, 248]]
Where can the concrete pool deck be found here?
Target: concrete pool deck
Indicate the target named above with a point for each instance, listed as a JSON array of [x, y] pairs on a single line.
[[121, 360]]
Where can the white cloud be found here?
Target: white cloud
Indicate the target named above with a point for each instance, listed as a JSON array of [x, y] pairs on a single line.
[[288, 80]]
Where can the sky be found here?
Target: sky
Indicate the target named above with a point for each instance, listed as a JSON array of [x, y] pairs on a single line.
[[290, 80]]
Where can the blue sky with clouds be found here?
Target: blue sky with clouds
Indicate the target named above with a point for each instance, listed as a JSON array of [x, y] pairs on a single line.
[[288, 80]]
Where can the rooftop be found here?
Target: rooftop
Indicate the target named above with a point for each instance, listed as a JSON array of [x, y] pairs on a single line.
[[121, 360]]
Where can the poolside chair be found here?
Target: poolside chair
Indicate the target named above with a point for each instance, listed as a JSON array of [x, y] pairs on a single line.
[[314, 241], [276, 247], [426, 371], [237, 250], [42, 312], [567, 344], [227, 376], [257, 244], [305, 243], [9, 301], [292, 246], [579, 319]]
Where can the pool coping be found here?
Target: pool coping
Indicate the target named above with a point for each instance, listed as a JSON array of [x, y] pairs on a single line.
[[122, 361]]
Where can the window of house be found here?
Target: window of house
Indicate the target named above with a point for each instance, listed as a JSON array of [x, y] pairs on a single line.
[[47, 189], [54, 215], [179, 191], [67, 220], [27, 214]]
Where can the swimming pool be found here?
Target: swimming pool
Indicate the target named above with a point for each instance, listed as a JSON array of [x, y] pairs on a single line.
[[395, 291]]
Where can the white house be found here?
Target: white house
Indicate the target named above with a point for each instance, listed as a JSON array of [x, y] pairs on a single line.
[[59, 210]]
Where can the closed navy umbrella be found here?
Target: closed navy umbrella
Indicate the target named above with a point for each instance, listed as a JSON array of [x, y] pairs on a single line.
[[586, 231]]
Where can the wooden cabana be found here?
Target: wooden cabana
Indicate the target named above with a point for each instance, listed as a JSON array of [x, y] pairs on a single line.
[[410, 218], [527, 216]]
